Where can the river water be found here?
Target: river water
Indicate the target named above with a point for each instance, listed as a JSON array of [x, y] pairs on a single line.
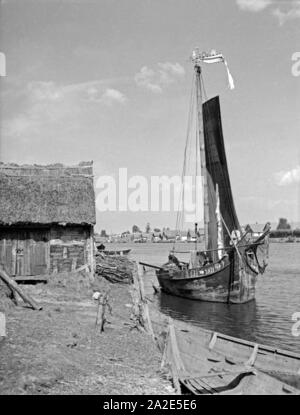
[[266, 320]]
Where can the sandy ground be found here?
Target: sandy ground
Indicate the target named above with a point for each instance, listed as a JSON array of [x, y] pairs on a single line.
[[59, 350]]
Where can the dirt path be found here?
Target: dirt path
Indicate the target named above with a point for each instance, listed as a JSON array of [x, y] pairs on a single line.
[[58, 351]]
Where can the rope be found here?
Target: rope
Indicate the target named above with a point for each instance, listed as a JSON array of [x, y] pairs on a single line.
[[179, 218], [238, 252], [203, 87], [223, 249]]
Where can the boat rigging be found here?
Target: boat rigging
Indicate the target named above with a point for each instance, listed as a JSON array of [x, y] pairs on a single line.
[[226, 269]]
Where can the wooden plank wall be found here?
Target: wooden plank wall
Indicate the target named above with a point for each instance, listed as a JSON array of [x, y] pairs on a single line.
[[42, 251], [7, 252], [24, 251], [69, 248]]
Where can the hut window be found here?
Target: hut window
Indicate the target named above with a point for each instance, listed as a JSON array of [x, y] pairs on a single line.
[[65, 252]]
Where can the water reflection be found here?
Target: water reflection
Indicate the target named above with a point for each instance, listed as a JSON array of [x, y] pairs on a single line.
[[268, 320], [233, 319]]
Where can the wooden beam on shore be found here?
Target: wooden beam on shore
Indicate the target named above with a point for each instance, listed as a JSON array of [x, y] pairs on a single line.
[[36, 278], [15, 287], [149, 265], [84, 267]]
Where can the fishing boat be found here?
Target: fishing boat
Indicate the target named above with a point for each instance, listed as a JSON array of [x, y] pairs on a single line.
[[291, 239], [206, 362], [226, 270], [115, 252], [118, 252]]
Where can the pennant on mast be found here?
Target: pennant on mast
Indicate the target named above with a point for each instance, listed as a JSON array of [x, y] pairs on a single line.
[[214, 57]]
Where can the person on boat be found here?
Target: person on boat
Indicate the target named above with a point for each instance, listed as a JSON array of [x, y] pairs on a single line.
[[203, 258], [235, 237], [101, 247], [173, 260]]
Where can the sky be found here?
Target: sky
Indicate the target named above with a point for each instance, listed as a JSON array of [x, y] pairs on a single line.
[[110, 80]]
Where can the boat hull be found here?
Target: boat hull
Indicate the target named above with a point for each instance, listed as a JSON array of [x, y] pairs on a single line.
[[219, 285], [119, 252], [207, 362]]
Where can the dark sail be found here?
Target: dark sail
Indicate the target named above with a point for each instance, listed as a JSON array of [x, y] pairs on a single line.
[[217, 173]]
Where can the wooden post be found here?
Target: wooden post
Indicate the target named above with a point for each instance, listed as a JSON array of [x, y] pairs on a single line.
[[91, 253], [166, 351], [155, 288], [74, 264], [174, 347], [144, 303], [14, 286], [2, 325], [140, 305], [100, 318], [168, 361], [175, 361], [175, 378]]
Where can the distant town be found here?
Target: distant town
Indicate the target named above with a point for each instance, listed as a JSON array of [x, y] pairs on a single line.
[[283, 232]]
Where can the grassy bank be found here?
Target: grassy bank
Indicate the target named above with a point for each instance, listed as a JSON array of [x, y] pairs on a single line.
[[59, 350]]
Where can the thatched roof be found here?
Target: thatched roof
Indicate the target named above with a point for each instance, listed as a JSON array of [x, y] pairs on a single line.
[[52, 194], [256, 228]]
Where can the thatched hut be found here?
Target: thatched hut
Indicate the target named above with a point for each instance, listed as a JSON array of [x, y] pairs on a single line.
[[47, 214]]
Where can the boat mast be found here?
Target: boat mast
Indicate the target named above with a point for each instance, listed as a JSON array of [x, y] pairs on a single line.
[[196, 58]]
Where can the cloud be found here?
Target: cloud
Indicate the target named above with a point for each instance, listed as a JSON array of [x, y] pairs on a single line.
[[289, 14], [109, 96], [94, 91], [45, 91], [285, 178], [156, 80], [20, 124], [112, 95], [288, 10], [253, 5], [146, 78], [51, 104], [172, 68]]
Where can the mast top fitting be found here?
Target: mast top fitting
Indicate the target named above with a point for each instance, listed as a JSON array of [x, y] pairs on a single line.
[[198, 57]]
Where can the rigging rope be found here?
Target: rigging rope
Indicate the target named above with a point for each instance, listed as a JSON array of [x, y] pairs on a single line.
[[180, 211], [203, 87], [209, 159]]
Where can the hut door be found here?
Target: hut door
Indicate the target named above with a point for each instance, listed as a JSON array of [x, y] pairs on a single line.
[[39, 252], [24, 252], [31, 253]]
